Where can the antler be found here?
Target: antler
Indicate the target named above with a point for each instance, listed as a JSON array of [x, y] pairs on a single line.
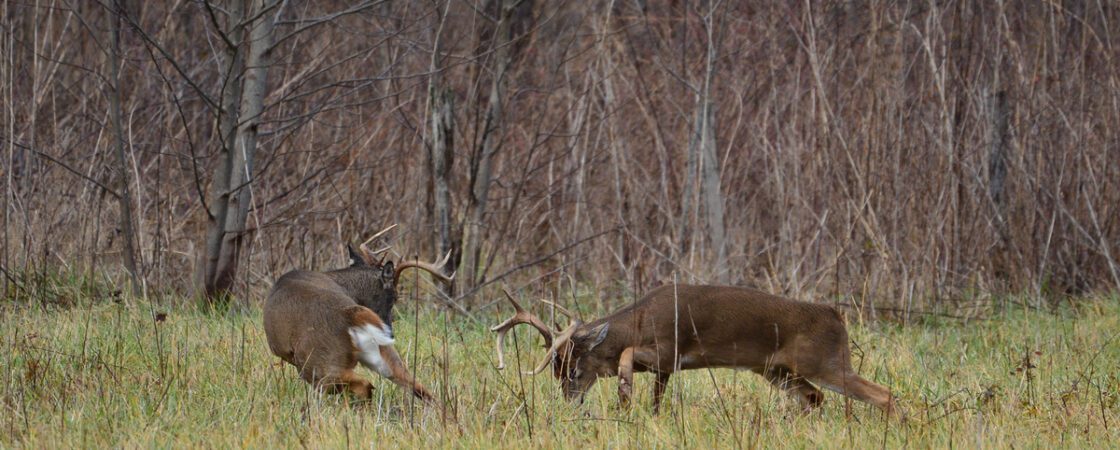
[[520, 316], [436, 269], [367, 255], [561, 309], [564, 336], [379, 233], [380, 250]]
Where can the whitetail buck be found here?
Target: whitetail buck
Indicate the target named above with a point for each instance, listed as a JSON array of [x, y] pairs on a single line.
[[678, 327], [325, 323]]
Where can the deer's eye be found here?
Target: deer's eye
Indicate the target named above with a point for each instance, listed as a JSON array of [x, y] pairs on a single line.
[[576, 371]]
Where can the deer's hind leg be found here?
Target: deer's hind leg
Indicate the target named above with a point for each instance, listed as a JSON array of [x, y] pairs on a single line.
[[850, 384], [399, 374], [794, 385], [359, 386], [373, 348], [335, 381], [834, 372]]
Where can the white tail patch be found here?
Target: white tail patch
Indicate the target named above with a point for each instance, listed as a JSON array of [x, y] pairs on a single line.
[[369, 339]]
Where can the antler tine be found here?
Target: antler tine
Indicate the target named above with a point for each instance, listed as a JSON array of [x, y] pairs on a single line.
[[562, 310], [368, 255], [516, 306], [379, 233], [384, 251], [446, 257], [498, 344], [564, 336], [520, 316], [436, 269], [381, 251]]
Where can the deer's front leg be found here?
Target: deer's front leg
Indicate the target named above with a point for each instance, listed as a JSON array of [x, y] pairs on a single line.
[[625, 377], [659, 390]]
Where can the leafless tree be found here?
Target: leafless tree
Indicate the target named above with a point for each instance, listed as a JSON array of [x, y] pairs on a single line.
[[491, 142], [702, 177], [809, 148], [124, 190], [441, 146]]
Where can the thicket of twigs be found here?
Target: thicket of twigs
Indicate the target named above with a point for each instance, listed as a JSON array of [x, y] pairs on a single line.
[[905, 153]]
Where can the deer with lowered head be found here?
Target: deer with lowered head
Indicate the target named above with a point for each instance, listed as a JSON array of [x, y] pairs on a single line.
[[326, 323], [792, 344]]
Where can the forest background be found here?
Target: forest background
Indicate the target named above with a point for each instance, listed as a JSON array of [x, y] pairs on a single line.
[[901, 155]]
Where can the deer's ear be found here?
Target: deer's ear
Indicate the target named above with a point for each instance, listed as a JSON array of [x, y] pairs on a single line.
[[356, 257], [387, 275], [597, 335]]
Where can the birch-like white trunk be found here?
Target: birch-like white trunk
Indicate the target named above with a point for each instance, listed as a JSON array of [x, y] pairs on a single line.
[[242, 103], [232, 68], [702, 183], [710, 193]]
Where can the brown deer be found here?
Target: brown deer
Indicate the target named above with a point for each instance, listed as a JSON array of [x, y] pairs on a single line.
[[325, 323], [679, 327]]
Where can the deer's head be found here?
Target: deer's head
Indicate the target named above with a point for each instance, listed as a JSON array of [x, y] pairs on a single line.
[[575, 353], [372, 281]]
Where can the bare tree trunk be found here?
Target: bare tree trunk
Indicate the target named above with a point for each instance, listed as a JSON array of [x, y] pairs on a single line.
[[688, 191], [125, 197], [232, 187], [9, 102], [441, 157], [709, 161], [491, 142], [702, 179], [997, 173], [232, 69], [710, 191]]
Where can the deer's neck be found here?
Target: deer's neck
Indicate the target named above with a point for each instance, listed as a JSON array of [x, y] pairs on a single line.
[[365, 288]]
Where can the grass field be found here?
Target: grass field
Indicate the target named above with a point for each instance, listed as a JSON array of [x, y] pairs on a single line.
[[103, 373]]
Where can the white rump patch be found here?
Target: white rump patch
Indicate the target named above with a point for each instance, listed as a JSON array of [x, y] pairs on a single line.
[[369, 339]]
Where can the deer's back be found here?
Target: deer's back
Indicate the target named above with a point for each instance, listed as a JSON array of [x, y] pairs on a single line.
[[707, 317], [306, 311]]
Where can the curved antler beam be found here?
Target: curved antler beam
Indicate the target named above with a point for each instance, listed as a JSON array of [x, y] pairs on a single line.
[[520, 316], [564, 337], [436, 269], [379, 234]]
